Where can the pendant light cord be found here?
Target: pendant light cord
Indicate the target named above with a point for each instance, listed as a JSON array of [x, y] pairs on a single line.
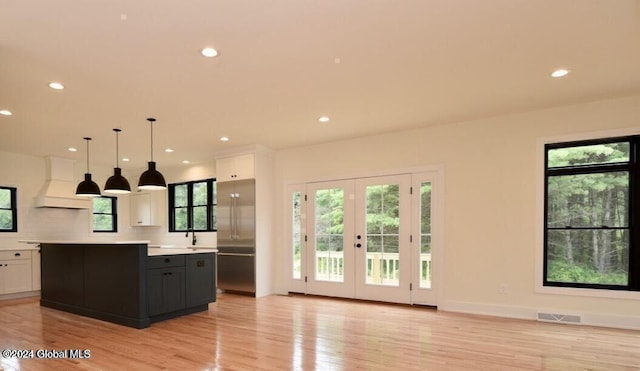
[[151, 120], [117, 148], [117, 151], [87, 139]]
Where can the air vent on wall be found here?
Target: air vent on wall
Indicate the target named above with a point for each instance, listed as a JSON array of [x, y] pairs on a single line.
[[559, 318]]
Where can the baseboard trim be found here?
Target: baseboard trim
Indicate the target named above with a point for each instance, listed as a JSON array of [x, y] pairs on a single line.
[[517, 312], [20, 295]]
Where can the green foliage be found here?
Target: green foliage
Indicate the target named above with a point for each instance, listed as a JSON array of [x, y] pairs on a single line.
[[330, 212], [561, 271], [578, 206], [587, 155], [103, 214], [6, 214], [6, 219]]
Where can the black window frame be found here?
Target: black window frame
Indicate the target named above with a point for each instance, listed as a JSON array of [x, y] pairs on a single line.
[[633, 169], [210, 206], [13, 208], [114, 215]]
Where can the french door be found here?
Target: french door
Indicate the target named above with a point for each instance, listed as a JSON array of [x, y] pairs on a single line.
[[330, 249], [382, 238], [367, 238]]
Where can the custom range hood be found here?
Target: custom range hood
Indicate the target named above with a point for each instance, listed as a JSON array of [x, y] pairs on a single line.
[[59, 189]]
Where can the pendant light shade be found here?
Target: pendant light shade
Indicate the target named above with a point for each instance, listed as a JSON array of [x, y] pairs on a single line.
[[152, 179], [88, 188], [117, 184]]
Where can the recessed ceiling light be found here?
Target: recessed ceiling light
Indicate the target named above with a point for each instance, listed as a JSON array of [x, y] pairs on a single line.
[[185, 161], [168, 150], [323, 119], [56, 86], [71, 149], [224, 139], [125, 159], [560, 73], [209, 52], [5, 112]]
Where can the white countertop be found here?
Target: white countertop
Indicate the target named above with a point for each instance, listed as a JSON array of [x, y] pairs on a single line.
[[86, 242], [152, 250], [22, 248], [155, 251]]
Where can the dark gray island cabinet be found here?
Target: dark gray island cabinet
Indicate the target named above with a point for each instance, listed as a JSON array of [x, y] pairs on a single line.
[[120, 283]]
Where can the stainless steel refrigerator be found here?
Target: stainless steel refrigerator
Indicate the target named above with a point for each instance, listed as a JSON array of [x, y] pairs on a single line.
[[236, 222]]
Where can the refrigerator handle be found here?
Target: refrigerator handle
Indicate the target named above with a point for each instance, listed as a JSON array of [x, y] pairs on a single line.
[[235, 215], [231, 218]]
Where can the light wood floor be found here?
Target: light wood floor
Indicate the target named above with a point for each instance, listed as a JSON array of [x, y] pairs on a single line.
[[286, 333]]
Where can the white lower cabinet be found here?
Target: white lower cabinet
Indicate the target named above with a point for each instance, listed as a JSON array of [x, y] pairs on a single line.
[[15, 271]]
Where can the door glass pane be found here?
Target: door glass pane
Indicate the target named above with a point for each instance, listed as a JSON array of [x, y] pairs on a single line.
[[296, 236], [425, 235], [382, 236], [329, 216]]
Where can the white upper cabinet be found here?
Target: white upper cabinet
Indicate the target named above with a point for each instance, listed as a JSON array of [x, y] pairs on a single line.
[[235, 168], [147, 208]]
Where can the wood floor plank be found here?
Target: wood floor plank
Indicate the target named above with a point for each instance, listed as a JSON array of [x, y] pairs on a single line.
[[307, 333]]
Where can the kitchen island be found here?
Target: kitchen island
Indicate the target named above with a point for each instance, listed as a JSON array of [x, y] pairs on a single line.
[[127, 282]]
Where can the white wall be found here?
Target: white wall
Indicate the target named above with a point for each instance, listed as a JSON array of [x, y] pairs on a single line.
[[491, 232], [490, 202], [28, 174]]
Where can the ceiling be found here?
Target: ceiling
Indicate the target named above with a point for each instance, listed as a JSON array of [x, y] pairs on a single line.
[[372, 66]]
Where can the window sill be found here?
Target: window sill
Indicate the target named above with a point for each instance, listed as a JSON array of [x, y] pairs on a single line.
[[591, 293]]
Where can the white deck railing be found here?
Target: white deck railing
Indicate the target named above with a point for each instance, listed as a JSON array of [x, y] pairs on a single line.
[[382, 268]]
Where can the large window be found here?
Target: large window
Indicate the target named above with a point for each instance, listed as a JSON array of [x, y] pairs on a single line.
[[592, 220], [8, 210], [192, 205], [105, 216]]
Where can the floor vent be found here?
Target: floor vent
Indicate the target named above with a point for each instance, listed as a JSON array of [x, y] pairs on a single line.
[[559, 318]]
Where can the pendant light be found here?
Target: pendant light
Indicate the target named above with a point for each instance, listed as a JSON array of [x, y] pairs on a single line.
[[152, 179], [88, 188], [117, 184]]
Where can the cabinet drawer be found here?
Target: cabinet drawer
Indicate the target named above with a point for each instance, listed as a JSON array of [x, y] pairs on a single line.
[[15, 255], [165, 261]]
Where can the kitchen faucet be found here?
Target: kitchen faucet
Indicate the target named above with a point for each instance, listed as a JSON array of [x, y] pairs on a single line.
[[193, 238]]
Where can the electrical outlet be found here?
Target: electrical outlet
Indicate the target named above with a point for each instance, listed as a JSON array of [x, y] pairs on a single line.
[[503, 288]]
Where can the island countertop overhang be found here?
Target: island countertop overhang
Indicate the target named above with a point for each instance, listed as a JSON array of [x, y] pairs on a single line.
[[152, 249]]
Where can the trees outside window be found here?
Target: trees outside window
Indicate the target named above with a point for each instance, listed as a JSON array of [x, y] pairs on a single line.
[[592, 193], [192, 205], [105, 216], [8, 209]]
